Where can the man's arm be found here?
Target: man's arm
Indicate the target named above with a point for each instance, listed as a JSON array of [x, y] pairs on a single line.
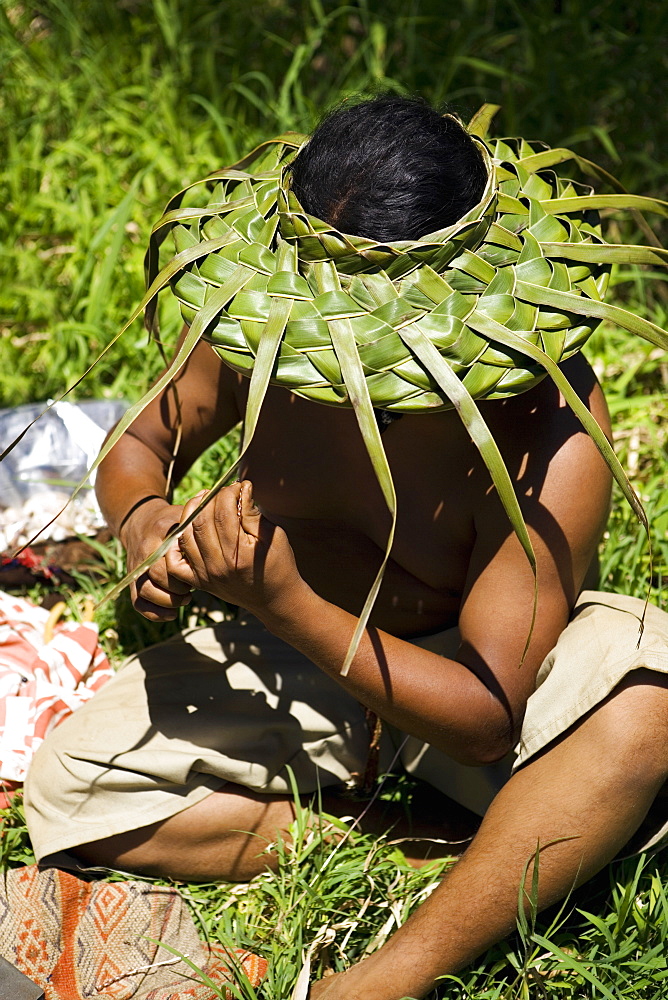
[[132, 482]]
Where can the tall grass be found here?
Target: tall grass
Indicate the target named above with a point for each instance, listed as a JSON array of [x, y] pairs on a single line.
[[106, 108]]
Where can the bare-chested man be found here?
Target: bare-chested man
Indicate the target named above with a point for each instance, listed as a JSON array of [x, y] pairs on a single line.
[[297, 544]]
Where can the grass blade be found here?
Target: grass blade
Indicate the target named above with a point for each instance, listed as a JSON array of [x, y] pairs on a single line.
[[495, 331], [482, 438]]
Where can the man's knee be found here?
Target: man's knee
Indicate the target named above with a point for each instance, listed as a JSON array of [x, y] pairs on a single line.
[[632, 723], [624, 738]]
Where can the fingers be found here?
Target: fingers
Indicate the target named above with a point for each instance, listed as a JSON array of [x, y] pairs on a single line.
[[197, 541], [179, 567], [217, 552], [220, 539], [158, 594], [249, 512], [160, 574], [163, 596], [168, 583], [156, 603], [217, 529], [153, 612]]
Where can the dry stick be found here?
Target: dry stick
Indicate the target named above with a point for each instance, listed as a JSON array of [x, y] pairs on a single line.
[[356, 822], [136, 972]]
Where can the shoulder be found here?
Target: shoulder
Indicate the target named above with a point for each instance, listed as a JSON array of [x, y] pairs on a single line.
[[541, 420], [550, 456]]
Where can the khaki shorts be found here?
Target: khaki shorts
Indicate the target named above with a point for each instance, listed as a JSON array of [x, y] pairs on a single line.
[[233, 703]]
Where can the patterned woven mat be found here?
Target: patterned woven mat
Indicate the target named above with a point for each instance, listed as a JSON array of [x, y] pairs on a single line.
[[82, 940], [47, 670]]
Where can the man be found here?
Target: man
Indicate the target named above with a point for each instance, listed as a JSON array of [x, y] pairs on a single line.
[[189, 747]]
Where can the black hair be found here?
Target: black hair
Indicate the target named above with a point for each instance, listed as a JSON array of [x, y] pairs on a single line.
[[390, 168]]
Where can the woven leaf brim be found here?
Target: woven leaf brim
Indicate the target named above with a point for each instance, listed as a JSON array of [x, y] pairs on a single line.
[[545, 235]]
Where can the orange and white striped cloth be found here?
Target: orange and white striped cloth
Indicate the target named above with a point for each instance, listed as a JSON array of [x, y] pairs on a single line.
[[43, 679]]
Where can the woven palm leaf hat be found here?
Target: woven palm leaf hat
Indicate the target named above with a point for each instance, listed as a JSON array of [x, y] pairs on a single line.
[[483, 309]]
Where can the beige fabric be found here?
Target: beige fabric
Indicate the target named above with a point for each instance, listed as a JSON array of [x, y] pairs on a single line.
[[233, 703], [601, 645]]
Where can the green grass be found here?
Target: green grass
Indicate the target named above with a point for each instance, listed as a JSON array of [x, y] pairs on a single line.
[[338, 903], [105, 109]]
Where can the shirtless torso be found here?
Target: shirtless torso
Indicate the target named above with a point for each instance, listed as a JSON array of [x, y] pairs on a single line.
[[311, 475]]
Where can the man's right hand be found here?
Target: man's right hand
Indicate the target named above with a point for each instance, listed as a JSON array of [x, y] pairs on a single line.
[[154, 453], [155, 594]]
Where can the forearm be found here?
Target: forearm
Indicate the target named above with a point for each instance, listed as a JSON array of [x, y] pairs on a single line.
[[432, 697], [130, 479], [166, 433]]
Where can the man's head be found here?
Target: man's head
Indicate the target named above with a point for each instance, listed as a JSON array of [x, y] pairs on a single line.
[[389, 169]]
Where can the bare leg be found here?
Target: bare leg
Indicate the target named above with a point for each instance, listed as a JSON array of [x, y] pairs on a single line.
[[221, 837], [595, 785], [225, 836]]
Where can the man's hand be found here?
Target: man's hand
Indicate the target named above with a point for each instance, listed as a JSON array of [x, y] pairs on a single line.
[[156, 594], [232, 551]]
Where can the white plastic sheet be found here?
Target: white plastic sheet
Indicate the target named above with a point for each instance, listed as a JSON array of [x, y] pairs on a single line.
[[38, 476]]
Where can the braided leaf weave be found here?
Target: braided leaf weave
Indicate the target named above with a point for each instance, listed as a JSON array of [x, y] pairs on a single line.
[[461, 286], [481, 310]]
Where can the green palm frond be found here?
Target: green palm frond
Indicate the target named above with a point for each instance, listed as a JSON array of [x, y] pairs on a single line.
[[484, 309]]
